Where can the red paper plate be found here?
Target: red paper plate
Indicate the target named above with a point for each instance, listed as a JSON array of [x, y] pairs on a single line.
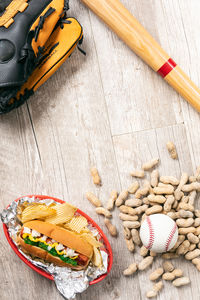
[[104, 240]]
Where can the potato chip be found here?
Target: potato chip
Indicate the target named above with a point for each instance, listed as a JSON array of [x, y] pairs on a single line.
[[19, 217], [52, 205], [64, 213], [19, 213], [97, 258], [40, 211], [21, 207], [91, 240], [77, 223], [85, 230], [27, 209]]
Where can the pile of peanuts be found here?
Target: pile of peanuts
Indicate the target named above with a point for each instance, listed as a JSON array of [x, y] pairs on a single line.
[[161, 194]]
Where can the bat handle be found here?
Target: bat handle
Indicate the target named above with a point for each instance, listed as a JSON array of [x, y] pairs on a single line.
[[126, 26]]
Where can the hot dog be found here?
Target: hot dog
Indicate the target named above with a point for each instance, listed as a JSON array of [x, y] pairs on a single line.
[[55, 244]]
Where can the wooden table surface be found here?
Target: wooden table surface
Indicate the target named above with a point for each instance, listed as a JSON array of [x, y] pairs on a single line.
[[110, 110]]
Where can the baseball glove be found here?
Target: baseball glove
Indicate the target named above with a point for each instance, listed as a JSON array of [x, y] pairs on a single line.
[[36, 37]]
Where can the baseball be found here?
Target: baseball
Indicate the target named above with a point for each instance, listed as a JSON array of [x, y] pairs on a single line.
[[158, 233]]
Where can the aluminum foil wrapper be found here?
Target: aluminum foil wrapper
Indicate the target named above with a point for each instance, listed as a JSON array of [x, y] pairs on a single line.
[[68, 281]]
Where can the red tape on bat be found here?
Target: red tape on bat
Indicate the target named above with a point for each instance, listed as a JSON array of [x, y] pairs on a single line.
[[167, 68]]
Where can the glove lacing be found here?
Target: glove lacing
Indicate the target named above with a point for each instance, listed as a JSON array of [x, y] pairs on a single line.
[[41, 22], [27, 51]]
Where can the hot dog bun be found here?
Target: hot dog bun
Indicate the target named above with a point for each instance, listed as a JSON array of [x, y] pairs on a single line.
[[44, 255], [67, 238]]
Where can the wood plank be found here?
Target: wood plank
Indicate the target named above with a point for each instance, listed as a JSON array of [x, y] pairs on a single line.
[[191, 61], [20, 174]]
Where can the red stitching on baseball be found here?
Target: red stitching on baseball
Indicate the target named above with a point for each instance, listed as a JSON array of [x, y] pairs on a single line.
[[170, 237], [151, 233]]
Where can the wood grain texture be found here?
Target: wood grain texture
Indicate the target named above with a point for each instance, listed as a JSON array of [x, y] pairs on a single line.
[[129, 30], [111, 111], [127, 27]]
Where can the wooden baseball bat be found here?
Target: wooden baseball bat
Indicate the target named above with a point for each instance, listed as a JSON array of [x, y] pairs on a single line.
[[125, 25]]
